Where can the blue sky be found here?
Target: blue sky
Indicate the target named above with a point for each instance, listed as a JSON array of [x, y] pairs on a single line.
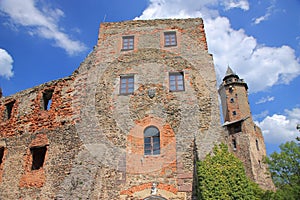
[[43, 40]]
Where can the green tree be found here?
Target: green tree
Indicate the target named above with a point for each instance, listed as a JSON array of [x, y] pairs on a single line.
[[222, 176], [285, 171]]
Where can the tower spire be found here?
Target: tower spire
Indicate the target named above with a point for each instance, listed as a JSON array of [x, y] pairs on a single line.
[[229, 71]]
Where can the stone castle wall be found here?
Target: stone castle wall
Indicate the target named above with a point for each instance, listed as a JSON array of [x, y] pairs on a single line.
[[93, 136]]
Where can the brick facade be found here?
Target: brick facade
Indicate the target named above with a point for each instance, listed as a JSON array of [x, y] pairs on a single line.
[[79, 138]]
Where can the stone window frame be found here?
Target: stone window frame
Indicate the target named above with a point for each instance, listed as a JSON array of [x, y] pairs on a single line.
[[127, 87], [151, 141], [9, 109], [176, 84], [128, 43], [170, 39]]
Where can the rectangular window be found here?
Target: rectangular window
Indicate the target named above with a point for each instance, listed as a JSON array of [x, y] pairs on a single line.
[[47, 99], [176, 81], [152, 145], [126, 84], [38, 157], [170, 39], [9, 106], [128, 42]]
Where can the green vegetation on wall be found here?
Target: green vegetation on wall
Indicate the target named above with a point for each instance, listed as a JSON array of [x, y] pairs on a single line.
[[222, 176]]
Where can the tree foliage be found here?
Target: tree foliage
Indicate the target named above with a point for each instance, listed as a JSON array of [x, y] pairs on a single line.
[[222, 176], [285, 171]]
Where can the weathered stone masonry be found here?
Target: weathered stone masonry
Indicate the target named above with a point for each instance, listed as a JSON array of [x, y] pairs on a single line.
[[79, 138]]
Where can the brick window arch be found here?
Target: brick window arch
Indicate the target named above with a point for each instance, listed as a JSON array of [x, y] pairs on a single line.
[[151, 141]]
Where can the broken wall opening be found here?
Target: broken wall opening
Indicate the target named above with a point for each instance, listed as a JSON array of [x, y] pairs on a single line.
[[8, 110], [47, 99], [38, 157]]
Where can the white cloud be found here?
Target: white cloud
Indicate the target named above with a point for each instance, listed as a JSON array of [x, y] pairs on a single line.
[[268, 13], [179, 9], [279, 129], [265, 99], [6, 61], [261, 66], [261, 115], [41, 22], [242, 4]]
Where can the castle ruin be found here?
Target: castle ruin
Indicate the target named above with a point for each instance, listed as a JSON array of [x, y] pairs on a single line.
[[130, 122]]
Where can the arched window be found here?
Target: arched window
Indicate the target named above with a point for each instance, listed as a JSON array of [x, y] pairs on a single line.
[[151, 141], [155, 198]]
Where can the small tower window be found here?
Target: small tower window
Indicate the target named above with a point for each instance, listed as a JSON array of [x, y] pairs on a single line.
[[47, 99], [176, 81], [257, 145], [1, 154], [38, 157], [234, 145], [232, 100], [170, 39], [234, 112], [126, 84], [8, 110], [128, 42], [151, 141]]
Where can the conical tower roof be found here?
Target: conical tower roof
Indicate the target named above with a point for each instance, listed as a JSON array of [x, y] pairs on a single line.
[[229, 73]]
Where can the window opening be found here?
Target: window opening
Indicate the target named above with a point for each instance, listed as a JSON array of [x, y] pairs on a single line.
[[176, 81], [257, 147], [47, 99], [128, 42], [170, 38], [126, 84], [234, 112], [232, 100], [237, 128], [1, 154], [234, 144], [9, 106], [151, 141], [38, 157]]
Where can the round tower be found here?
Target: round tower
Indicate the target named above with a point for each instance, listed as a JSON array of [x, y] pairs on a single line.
[[244, 138]]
